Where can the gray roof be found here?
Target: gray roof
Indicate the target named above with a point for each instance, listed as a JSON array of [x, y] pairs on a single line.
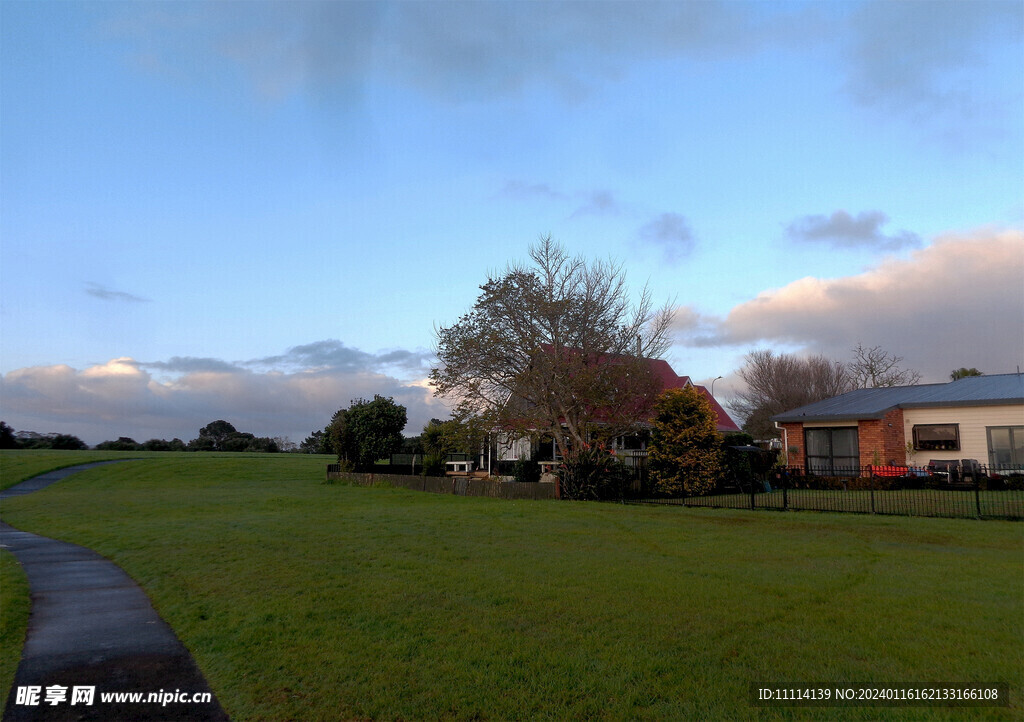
[[875, 403]]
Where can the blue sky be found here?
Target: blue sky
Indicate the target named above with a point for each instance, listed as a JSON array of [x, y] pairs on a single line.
[[260, 211]]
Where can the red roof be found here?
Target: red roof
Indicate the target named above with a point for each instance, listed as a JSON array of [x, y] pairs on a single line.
[[670, 380]]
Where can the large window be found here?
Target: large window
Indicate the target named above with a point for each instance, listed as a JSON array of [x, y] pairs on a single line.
[[832, 451], [936, 437], [1006, 446]]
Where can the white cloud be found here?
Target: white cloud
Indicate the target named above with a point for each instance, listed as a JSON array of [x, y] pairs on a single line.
[[958, 302], [122, 398]]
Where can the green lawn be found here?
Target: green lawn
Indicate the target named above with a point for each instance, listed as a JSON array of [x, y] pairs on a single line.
[[302, 600]]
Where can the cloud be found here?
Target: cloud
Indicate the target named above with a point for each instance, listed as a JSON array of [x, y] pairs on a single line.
[[958, 302], [521, 190], [841, 230], [598, 203], [938, 62], [122, 397], [669, 233], [102, 292], [452, 50], [332, 354]]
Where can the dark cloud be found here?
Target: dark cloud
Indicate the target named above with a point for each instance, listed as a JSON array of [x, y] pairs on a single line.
[[102, 292], [670, 233], [333, 354], [958, 302], [190, 364], [930, 60], [841, 230]]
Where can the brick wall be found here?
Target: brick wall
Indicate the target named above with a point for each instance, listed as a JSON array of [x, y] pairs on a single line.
[[884, 436], [794, 439]]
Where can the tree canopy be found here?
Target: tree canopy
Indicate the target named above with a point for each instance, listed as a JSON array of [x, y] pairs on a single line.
[[685, 454], [963, 372], [552, 347]]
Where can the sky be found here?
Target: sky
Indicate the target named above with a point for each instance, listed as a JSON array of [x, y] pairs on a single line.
[[260, 211]]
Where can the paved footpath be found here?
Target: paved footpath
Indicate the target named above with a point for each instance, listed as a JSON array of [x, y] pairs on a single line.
[[91, 626]]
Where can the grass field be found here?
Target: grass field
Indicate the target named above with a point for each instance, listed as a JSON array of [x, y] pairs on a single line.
[[302, 600]]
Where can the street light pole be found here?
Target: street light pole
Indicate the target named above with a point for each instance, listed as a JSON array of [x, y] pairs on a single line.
[[713, 386]]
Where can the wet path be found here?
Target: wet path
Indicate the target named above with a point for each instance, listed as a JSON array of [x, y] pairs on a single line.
[[91, 626]]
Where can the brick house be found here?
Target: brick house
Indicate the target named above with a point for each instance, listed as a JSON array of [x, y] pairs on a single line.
[[978, 417]]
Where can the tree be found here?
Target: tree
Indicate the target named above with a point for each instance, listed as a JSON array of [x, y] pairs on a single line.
[[213, 436], [685, 454], [68, 442], [780, 382], [339, 439], [375, 428], [962, 373], [553, 347], [123, 443], [315, 443], [875, 367], [7, 438]]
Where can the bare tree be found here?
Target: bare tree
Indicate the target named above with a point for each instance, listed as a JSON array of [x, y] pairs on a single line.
[[875, 367], [553, 347], [780, 382]]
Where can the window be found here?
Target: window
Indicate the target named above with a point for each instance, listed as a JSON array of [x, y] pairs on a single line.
[[1006, 446], [937, 437], [832, 451]]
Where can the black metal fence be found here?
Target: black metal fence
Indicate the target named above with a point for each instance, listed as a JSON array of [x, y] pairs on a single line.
[[952, 490]]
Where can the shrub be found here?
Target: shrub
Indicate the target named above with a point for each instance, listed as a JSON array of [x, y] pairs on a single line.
[[592, 472], [685, 453], [526, 471], [433, 465]]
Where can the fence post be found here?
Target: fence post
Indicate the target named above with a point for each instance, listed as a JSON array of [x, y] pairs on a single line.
[[977, 493], [751, 480], [785, 487], [872, 490]]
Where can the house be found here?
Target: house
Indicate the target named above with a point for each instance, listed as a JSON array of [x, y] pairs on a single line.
[[978, 417], [512, 448]]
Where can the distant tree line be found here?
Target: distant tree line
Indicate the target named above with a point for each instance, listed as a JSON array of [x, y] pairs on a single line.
[[218, 435], [11, 439]]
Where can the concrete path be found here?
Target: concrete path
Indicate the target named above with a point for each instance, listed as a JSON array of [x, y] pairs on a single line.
[[92, 627]]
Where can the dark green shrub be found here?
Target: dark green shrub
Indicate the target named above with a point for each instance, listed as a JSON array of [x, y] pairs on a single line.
[[526, 471], [433, 465], [592, 472]]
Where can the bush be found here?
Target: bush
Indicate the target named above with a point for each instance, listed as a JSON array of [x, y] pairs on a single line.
[[526, 471], [592, 472], [433, 465], [685, 454]]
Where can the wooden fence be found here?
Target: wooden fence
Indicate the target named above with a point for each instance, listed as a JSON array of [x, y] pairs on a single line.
[[461, 486]]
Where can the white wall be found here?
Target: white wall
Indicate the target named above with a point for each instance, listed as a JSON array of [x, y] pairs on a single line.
[[973, 421]]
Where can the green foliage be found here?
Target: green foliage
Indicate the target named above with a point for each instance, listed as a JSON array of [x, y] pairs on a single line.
[[685, 456], [433, 465], [123, 443], [526, 471], [962, 373], [67, 442], [375, 429], [592, 472], [7, 438], [316, 443]]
